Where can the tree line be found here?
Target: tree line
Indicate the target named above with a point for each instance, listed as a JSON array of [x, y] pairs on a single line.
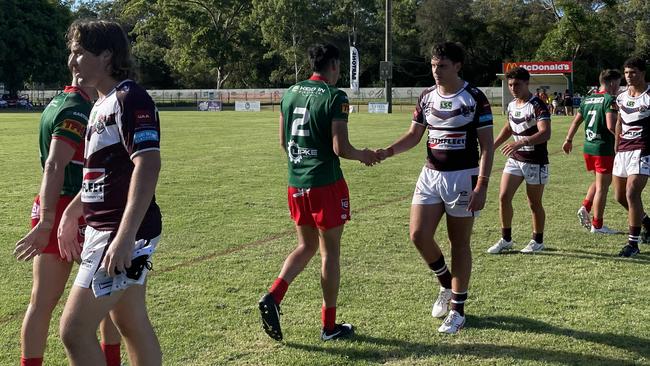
[[263, 43]]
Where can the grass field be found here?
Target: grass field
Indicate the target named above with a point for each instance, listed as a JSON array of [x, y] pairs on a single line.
[[226, 232]]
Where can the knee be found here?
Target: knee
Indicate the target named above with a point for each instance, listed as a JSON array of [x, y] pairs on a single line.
[[632, 194], [41, 306], [419, 238], [504, 199], [71, 334], [536, 206]]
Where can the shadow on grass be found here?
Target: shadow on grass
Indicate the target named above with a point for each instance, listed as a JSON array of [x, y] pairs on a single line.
[[364, 347], [606, 254]]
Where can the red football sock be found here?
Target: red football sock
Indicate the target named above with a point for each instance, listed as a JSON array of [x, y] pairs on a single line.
[[597, 223], [112, 354], [328, 316], [278, 289], [587, 204], [31, 361]]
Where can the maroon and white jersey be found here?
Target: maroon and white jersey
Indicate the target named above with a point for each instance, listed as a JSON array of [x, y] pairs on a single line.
[[523, 123], [122, 125], [452, 122], [635, 117]]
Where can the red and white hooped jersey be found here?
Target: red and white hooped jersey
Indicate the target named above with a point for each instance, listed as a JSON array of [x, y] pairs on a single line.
[[523, 123], [122, 125], [452, 122], [635, 122]]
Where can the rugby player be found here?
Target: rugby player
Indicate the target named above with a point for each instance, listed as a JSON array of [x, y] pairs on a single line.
[[313, 132], [632, 161], [61, 144], [454, 180], [600, 111], [529, 122], [122, 162]]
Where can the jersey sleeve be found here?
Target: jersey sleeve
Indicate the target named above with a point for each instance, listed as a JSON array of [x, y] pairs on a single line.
[[541, 111], [340, 106], [610, 106], [70, 127], [483, 111], [140, 122]]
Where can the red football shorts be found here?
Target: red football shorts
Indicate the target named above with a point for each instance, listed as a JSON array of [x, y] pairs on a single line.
[[323, 207], [53, 244], [599, 164]]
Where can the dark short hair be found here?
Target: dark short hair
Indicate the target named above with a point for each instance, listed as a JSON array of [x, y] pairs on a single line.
[[518, 73], [97, 36], [320, 56], [450, 50], [609, 75], [635, 62]]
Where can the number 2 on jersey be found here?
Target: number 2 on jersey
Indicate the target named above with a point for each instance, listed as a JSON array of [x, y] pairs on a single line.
[[303, 120]]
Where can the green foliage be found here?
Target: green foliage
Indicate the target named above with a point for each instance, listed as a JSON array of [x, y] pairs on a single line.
[[32, 44]]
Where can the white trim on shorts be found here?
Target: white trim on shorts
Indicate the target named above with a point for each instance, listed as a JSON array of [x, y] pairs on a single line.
[[91, 275], [628, 163], [453, 188], [532, 173]]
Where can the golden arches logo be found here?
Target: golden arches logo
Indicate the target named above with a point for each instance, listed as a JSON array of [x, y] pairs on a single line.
[[509, 66]]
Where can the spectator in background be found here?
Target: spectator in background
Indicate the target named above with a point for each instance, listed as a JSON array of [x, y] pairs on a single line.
[[568, 103]]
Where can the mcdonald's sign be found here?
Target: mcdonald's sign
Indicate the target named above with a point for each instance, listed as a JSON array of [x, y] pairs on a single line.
[[546, 67]]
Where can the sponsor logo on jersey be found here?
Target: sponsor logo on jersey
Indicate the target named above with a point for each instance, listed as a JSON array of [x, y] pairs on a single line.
[[297, 153], [80, 115], [518, 114], [445, 104], [73, 127], [345, 204], [143, 116], [92, 187], [591, 135], [595, 100], [632, 133], [446, 140], [630, 103], [145, 135], [467, 110], [345, 108]]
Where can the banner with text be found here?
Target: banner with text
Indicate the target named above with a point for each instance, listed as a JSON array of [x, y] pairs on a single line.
[[546, 67], [247, 106], [354, 69]]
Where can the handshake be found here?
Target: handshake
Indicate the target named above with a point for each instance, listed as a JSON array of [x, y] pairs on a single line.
[[370, 157]]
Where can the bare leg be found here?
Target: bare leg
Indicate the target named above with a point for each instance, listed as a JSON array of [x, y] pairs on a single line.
[[50, 275], [330, 250], [459, 230], [600, 197], [423, 224], [635, 185], [295, 263], [130, 315], [591, 191], [620, 188], [509, 185], [534, 193]]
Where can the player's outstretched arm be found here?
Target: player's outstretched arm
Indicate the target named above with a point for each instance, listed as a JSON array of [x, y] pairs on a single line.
[[36, 240], [141, 190], [406, 142], [503, 136], [344, 149], [567, 146]]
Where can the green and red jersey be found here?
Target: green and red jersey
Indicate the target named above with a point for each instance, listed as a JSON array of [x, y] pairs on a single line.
[[599, 140], [65, 119], [308, 109]]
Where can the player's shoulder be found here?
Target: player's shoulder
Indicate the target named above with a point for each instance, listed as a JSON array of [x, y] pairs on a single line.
[[129, 92], [536, 102], [474, 91], [427, 92]]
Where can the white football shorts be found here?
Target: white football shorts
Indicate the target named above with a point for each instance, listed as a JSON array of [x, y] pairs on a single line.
[[532, 173], [91, 273], [628, 163], [452, 188]]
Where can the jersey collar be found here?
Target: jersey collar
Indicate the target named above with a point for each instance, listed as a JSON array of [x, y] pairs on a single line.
[[76, 89], [315, 77]]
